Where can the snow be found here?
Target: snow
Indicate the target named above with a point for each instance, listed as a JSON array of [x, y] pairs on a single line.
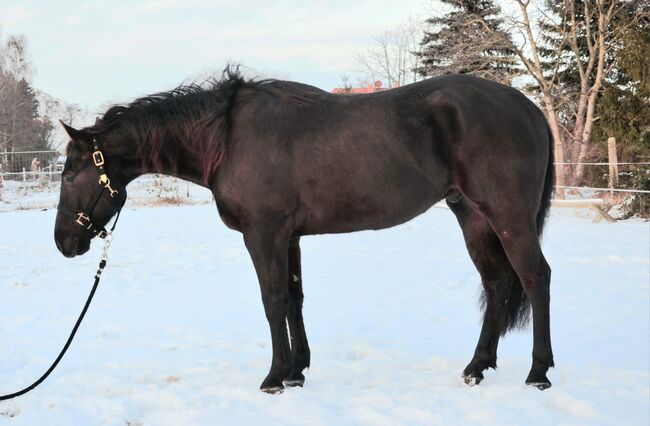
[[177, 333], [43, 192]]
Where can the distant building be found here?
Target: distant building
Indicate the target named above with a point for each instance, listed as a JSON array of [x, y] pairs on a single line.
[[371, 88]]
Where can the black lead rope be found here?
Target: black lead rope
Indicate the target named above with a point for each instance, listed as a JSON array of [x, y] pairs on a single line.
[[102, 265]]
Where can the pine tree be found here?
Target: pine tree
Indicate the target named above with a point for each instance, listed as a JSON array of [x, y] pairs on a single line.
[[470, 39], [624, 108]]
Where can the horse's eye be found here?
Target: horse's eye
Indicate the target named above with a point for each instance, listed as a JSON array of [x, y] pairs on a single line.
[[69, 177]]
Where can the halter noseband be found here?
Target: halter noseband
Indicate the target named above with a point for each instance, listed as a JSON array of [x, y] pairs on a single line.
[[83, 218]]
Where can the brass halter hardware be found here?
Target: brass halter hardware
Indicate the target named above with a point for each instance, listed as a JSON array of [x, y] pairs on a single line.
[[106, 183], [83, 218], [98, 159]]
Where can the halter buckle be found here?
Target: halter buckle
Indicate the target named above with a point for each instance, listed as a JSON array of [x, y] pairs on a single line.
[[81, 217], [102, 234], [98, 158]]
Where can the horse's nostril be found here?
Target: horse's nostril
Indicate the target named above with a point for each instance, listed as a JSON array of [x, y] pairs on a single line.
[[65, 244]]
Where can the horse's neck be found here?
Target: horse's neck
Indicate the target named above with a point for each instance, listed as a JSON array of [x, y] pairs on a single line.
[[139, 160]]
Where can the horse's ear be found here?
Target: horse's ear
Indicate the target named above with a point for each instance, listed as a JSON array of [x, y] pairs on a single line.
[[75, 135]]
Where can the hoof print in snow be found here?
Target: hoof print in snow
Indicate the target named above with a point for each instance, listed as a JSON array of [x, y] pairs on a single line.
[[172, 379]]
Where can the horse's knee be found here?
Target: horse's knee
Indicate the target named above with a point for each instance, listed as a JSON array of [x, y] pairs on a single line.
[[276, 306]]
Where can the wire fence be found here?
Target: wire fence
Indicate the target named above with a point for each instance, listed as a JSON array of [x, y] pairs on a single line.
[[31, 180], [615, 181], [631, 191], [14, 164]]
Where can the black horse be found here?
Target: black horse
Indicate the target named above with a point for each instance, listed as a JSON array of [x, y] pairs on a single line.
[[285, 159]]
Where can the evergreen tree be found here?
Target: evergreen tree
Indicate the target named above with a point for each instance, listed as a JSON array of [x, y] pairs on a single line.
[[469, 40], [624, 107]]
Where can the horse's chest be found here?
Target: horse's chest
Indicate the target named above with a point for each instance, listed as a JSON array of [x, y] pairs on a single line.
[[228, 216]]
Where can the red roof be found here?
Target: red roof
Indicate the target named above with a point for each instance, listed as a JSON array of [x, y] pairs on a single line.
[[371, 88]]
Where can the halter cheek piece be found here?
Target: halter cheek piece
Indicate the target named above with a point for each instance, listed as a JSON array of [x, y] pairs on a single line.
[[83, 218]]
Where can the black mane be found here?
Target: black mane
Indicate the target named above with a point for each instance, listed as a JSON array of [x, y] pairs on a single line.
[[193, 117]]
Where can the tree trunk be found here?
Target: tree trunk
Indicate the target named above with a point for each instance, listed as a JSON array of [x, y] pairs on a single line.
[[603, 22], [558, 145]]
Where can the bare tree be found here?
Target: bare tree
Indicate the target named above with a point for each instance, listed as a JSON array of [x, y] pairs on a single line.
[[594, 26], [547, 80], [14, 59], [392, 55], [345, 83], [569, 67], [73, 114], [21, 127]]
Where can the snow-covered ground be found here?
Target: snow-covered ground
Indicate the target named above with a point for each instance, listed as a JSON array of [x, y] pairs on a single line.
[[43, 192], [177, 334]]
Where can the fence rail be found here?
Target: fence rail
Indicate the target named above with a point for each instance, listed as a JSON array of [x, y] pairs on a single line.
[[603, 164], [637, 191], [12, 162], [30, 179]]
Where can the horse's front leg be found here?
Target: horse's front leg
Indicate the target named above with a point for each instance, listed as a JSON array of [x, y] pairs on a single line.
[[299, 346], [269, 249]]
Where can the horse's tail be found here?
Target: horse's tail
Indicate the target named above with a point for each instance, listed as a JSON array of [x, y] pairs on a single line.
[[516, 312], [549, 181]]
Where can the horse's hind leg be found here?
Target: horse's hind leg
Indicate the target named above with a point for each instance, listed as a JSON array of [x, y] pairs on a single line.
[[499, 283], [518, 235], [299, 346]]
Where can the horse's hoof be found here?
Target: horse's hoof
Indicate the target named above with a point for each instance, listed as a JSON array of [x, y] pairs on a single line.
[[294, 383], [538, 379], [295, 379], [540, 385], [272, 385], [473, 379], [273, 390]]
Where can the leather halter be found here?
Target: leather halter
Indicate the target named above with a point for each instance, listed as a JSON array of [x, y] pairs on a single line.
[[83, 218]]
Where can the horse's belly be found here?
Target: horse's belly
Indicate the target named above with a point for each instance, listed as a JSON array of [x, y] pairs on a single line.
[[341, 211]]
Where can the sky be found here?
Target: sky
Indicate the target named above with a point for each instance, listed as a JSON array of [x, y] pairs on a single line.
[[95, 52]]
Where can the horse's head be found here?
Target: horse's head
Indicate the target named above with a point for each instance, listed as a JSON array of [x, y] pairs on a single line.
[[91, 193]]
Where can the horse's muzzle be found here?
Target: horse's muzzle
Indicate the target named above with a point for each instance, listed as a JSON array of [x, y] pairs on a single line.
[[71, 246]]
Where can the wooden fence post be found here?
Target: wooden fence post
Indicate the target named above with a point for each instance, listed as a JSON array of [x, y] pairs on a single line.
[[613, 162]]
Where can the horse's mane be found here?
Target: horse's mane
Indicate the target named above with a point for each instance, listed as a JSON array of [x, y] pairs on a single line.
[[194, 118]]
